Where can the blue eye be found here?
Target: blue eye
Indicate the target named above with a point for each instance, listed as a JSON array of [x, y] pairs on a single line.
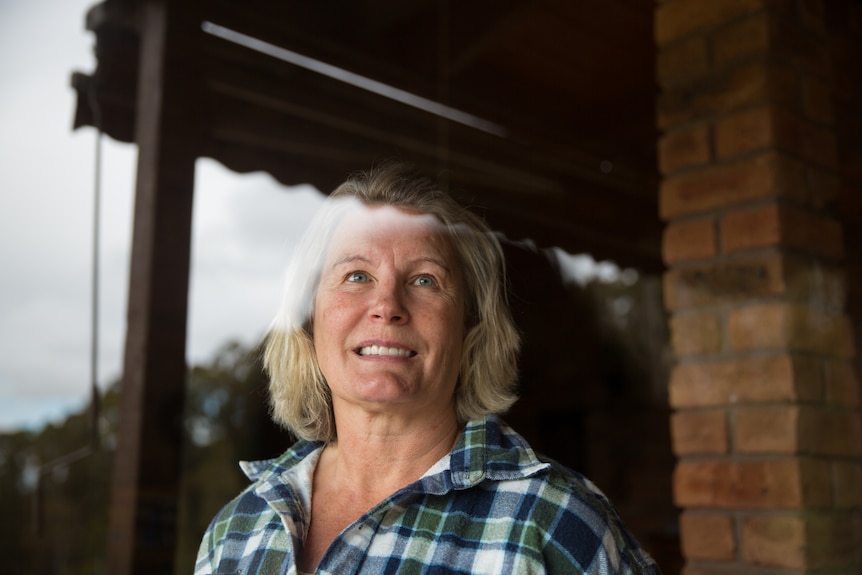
[[357, 277], [425, 281]]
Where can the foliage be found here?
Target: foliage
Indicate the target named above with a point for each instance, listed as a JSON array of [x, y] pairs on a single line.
[[226, 420], [54, 490]]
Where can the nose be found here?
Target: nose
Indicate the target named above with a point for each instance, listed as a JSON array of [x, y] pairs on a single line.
[[389, 305]]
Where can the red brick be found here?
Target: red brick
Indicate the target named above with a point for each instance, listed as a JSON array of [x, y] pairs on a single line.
[[751, 228], [740, 40], [776, 326], [820, 235], [777, 378], [744, 131], [809, 140], [780, 225], [689, 240], [685, 148], [817, 282], [842, 383], [798, 429], [700, 432], [775, 540], [772, 429], [817, 100], [742, 278], [776, 128], [707, 536], [776, 35], [836, 432], [789, 483], [695, 334], [725, 185], [799, 542], [831, 541], [824, 188], [730, 90], [685, 60], [847, 478], [677, 19], [802, 51]]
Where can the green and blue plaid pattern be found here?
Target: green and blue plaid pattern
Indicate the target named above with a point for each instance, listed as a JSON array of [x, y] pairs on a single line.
[[492, 506]]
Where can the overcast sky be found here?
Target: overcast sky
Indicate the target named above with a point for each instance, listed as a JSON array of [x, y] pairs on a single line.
[[244, 227]]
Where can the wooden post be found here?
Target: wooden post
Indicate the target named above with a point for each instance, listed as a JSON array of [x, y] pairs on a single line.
[[144, 499]]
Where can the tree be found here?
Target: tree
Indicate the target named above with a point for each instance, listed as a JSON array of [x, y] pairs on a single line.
[[226, 420], [55, 493]]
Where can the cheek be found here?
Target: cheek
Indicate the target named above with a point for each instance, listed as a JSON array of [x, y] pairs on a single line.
[[332, 320], [450, 327]]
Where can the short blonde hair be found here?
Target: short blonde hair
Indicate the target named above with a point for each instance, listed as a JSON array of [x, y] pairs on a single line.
[[299, 395]]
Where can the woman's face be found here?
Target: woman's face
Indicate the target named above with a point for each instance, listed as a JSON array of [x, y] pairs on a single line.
[[389, 314]]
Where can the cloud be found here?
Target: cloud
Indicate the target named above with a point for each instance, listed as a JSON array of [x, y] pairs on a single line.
[[243, 228], [45, 211]]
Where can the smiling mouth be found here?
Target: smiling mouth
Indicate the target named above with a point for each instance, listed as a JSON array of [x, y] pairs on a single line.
[[385, 351]]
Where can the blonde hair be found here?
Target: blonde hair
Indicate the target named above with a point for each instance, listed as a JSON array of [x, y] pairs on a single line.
[[299, 394]]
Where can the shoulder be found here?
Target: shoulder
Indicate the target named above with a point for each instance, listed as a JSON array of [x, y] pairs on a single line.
[[251, 521], [581, 526], [242, 513], [236, 532], [245, 508]]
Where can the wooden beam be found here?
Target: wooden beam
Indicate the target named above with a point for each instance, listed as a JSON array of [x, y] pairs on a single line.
[[144, 498], [573, 101], [276, 104]]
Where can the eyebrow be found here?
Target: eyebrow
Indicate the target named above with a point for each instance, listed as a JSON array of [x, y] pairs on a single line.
[[434, 261], [348, 259]]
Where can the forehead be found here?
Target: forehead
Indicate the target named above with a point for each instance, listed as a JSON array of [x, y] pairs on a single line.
[[390, 228]]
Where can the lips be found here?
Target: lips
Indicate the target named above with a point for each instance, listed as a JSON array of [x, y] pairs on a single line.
[[380, 350]]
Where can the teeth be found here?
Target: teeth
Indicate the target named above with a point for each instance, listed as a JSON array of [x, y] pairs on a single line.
[[380, 350]]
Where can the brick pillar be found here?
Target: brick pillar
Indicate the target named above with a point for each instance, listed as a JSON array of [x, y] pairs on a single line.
[[765, 393]]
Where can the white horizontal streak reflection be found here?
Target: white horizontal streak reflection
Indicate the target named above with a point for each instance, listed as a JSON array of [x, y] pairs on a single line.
[[354, 79]]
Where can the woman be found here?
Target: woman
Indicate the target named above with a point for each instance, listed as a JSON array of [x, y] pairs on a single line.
[[391, 358]]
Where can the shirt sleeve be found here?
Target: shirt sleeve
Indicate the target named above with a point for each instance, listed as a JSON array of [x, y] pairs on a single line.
[[586, 535], [204, 564]]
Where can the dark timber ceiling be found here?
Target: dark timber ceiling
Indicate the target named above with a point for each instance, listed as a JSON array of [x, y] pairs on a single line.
[[570, 82]]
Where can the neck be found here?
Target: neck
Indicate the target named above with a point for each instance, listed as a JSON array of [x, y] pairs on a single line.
[[380, 454]]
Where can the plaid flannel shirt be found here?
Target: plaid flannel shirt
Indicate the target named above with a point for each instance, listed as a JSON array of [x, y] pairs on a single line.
[[489, 507]]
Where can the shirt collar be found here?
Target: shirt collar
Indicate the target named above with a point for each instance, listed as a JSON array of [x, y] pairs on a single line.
[[487, 449], [490, 449], [262, 470]]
